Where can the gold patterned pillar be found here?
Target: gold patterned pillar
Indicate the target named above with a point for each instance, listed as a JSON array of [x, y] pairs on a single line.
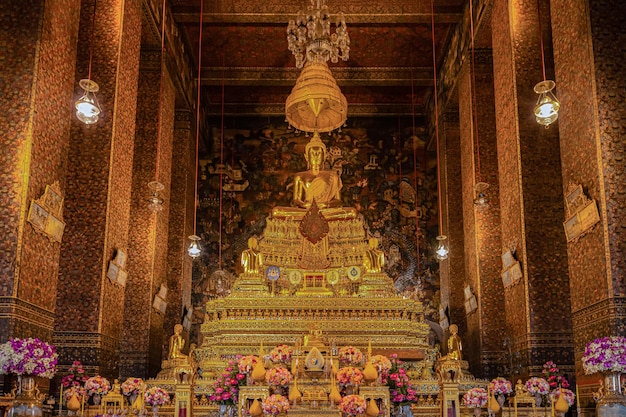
[[140, 353], [590, 86], [531, 200], [482, 223], [89, 317]]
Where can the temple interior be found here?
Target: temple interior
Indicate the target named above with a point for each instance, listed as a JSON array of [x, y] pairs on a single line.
[[438, 181]]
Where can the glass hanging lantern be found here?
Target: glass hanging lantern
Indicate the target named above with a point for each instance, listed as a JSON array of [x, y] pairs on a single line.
[[547, 107], [87, 107], [481, 197], [155, 202], [194, 248], [442, 248]]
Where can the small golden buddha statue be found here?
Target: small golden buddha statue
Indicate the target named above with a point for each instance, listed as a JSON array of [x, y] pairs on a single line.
[[374, 258], [251, 258], [454, 344], [177, 343]]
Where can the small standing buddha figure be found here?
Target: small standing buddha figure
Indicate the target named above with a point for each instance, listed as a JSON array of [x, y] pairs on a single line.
[[251, 258], [374, 258]]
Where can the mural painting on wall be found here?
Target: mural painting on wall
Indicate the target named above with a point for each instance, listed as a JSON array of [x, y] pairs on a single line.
[[376, 165]]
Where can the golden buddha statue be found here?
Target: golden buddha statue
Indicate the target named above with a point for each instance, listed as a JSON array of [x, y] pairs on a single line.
[[251, 259], [374, 258], [177, 343], [316, 183], [454, 344]]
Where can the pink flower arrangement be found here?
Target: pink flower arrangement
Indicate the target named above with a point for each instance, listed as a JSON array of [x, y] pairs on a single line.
[[132, 386], [75, 377], [551, 374], [401, 392], [246, 363], [607, 354], [381, 363], [28, 357], [281, 354], [353, 405], [97, 385], [475, 397], [500, 386], [349, 376], [350, 355], [536, 385], [156, 396], [275, 404], [77, 390], [278, 376], [568, 395], [226, 385]]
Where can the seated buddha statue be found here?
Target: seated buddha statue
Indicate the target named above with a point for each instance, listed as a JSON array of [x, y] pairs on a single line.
[[316, 183], [251, 259], [374, 258]]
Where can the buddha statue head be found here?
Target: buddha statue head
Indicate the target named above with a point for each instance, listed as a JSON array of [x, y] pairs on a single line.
[[315, 152]]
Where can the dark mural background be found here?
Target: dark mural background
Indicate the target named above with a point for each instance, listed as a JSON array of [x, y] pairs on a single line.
[[255, 161]]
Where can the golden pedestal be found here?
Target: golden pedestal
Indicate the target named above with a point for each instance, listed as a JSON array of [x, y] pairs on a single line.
[[380, 394]]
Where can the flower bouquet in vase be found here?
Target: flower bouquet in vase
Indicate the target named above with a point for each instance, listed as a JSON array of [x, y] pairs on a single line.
[[281, 354], [475, 398], [246, 364], [538, 388], [278, 377], [349, 377], [96, 387], [275, 404], [155, 397], [226, 385], [131, 388], [350, 355], [607, 356], [500, 387], [353, 405], [27, 358]]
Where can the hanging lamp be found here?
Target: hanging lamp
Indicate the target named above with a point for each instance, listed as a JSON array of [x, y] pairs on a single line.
[[155, 201], [442, 251], [547, 107], [195, 249], [87, 106]]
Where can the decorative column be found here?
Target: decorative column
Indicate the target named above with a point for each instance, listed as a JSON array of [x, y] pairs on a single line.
[[89, 305], [483, 295], [179, 264], [452, 270], [530, 186], [37, 66], [148, 237], [589, 40]]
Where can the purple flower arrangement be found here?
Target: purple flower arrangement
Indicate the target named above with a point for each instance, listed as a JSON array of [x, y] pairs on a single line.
[[28, 357], [132, 386], [607, 354], [500, 386], [536, 385]]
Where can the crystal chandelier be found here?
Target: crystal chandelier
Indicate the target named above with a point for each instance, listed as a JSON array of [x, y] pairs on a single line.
[[310, 39]]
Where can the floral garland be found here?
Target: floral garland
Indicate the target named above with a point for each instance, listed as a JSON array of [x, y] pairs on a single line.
[[349, 376], [226, 386], [475, 397], [76, 376], [132, 386], [500, 386], [607, 354], [156, 396], [275, 404], [568, 395], [353, 405], [246, 363], [281, 354], [537, 385], [400, 390], [381, 363], [98, 385], [551, 374], [278, 376], [350, 355], [28, 357]]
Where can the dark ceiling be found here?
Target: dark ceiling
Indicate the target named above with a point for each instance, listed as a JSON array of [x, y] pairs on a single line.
[[244, 46]]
